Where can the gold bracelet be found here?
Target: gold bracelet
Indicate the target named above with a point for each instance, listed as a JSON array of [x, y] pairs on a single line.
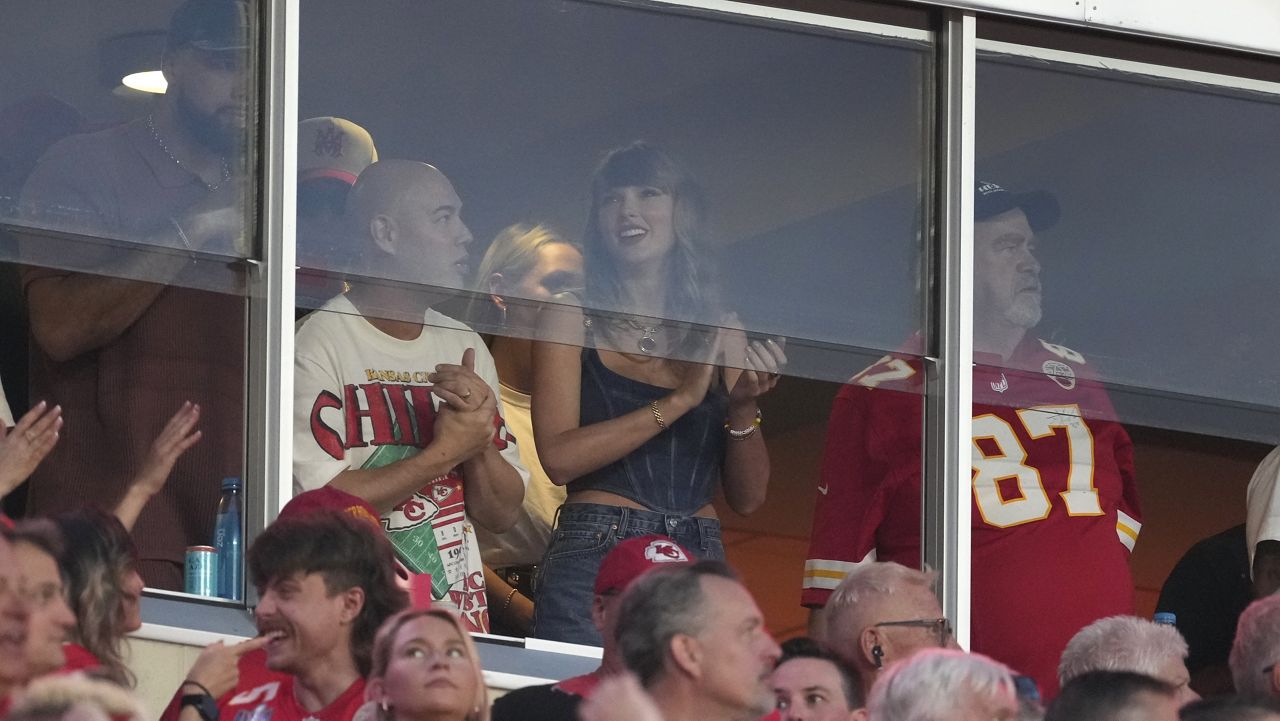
[[657, 415]]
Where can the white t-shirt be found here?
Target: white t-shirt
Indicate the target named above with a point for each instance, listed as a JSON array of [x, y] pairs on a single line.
[[524, 543], [362, 400], [6, 415], [1262, 512]]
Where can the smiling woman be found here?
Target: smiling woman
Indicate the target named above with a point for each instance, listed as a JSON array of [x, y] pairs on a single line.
[[648, 416]]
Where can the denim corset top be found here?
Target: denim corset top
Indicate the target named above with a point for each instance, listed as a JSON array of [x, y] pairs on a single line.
[[677, 470]]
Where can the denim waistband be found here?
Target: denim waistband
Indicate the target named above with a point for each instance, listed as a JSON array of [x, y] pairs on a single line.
[[632, 521]]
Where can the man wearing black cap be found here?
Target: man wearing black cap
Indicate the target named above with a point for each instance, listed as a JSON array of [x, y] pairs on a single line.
[[1054, 497], [123, 344]]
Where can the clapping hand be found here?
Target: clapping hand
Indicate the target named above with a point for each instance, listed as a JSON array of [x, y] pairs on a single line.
[[466, 417]]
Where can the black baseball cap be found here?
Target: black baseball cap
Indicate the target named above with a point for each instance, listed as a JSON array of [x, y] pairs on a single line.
[[211, 25], [990, 200]]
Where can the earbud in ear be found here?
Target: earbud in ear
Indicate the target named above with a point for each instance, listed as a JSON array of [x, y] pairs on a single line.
[[877, 655]]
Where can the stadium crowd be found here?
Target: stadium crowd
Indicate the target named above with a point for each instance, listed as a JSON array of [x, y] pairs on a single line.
[[339, 638]]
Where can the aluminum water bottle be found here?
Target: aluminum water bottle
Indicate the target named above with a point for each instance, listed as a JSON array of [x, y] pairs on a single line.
[[227, 539]]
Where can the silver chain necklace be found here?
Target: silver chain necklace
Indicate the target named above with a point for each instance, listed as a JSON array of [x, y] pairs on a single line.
[[155, 134], [647, 343]]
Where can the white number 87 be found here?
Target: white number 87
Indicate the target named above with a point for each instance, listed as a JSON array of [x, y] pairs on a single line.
[[1009, 460]]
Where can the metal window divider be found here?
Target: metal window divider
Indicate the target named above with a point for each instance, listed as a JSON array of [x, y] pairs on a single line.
[[947, 501]]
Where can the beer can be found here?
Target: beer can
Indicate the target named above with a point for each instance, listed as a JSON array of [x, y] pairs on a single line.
[[202, 571]]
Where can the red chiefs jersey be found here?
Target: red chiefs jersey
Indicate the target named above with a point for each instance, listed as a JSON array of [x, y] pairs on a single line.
[[266, 695], [1055, 507]]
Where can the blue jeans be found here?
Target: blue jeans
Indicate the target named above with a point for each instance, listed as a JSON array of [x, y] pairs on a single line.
[[584, 535]]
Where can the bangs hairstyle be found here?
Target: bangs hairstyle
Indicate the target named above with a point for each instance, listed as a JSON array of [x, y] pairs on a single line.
[[97, 553], [384, 646], [347, 553], [691, 292]]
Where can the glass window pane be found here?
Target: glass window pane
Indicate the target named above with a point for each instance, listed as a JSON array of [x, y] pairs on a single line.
[[1122, 264], [729, 184], [126, 215]]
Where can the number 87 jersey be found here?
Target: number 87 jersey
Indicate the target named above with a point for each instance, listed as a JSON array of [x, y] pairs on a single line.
[[1055, 506]]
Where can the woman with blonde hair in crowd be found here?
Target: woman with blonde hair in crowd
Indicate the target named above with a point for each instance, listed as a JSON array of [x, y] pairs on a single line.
[[525, 266], [639, 409], [104, 590], [425, 667]]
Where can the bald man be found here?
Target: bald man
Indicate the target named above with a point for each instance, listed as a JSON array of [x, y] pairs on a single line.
[[397, 403]]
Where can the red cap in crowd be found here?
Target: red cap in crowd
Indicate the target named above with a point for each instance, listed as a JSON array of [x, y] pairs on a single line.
[[328, 497], [631, 558], [331, 498]]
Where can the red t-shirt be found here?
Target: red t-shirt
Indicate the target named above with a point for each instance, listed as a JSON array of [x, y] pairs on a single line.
[[79, 658], [1055, 507], [266, 695]]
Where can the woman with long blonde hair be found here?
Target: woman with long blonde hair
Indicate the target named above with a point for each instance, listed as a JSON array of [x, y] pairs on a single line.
[[104, 590], [426, 668]]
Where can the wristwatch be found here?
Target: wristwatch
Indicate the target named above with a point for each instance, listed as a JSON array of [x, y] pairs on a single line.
[[206, 705]]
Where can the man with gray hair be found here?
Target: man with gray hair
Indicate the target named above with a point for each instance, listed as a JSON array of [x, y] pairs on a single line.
[[696, 640], [1129, 643], [1256, 651], [881, 613], [944, 684]]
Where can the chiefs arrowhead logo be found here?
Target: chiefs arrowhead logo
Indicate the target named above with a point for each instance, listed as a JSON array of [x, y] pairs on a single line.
[[412, 513], [441, 491], [664, 552]]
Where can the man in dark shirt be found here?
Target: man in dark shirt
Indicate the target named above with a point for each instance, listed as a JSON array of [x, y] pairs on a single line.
[[128, 336]]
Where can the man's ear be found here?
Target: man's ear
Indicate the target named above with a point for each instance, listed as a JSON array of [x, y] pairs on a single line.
[[859, 714], [868, 642], [598, 612], [687, 654], [167, 61], [382, 229], [352, 604]]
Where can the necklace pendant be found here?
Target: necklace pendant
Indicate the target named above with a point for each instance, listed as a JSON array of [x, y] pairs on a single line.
[[647, 344]]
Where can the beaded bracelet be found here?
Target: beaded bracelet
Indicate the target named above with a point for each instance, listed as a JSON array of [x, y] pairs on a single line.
[[507, 604], [745, 433]]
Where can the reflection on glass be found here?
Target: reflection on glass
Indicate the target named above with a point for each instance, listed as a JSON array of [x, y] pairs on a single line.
[[804, 223], [122, 341], [1155, 281], [814, 199], [331, 154], [1162, 270]]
